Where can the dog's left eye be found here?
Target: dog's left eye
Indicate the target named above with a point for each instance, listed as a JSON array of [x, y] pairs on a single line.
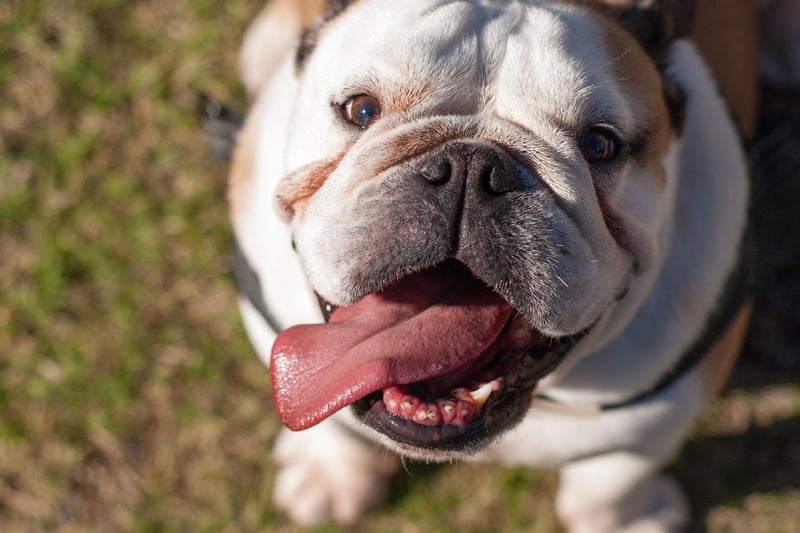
[[599, 144], [361, 110]]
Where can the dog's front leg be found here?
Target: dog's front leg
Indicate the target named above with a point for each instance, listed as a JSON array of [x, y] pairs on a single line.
[[329, 473], [619, 492]]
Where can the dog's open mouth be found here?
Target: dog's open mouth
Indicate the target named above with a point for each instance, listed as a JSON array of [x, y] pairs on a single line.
[[435, 360]]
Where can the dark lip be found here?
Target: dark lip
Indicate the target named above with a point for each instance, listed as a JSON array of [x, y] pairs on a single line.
[[500, 413], [521, 371]]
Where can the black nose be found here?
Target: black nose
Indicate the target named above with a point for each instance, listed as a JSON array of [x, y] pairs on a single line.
[[479, 166]]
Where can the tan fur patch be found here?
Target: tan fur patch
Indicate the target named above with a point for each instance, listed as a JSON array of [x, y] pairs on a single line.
[[725, 31], [310, 10], [271, 36], [719, 360], [241, 174], [295, 190], [643, 90]]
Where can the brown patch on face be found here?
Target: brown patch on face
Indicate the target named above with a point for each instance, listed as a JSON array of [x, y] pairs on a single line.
[[654, 23], [296, 189], [293, 191], [644, 90]]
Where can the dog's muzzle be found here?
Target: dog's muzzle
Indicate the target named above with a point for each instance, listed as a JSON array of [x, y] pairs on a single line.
[[431, 349]]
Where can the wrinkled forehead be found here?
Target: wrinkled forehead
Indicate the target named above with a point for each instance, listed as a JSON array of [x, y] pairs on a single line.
[[581, 67], [475, 52], [441, 42]]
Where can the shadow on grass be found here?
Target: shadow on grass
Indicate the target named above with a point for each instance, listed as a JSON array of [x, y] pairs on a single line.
[[415, 475], [725, 469]]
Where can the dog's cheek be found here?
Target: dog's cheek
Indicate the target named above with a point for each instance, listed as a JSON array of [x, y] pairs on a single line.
[[536, 258], [638, 215], [353, 245], [295, 191]]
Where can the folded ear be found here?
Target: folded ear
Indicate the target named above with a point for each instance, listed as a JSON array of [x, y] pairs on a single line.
[[654, 23], [334, 7]]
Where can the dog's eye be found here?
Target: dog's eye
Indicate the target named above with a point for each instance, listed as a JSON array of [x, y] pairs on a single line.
[[361, 110], [599, 144]]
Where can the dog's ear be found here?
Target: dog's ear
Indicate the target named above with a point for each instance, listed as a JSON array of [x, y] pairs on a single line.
[[334, 7], [654, 23]]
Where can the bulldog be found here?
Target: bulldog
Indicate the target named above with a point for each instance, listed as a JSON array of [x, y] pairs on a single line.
[[492, 230]]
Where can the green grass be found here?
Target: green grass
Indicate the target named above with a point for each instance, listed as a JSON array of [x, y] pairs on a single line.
[[129, 397]]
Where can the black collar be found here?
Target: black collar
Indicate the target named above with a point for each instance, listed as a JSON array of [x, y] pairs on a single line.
[[737, 289], [250, 285]]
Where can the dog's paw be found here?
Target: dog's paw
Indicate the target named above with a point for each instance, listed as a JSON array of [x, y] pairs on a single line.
[[666, 512], [327, 473], [619, 493], [669, 511]]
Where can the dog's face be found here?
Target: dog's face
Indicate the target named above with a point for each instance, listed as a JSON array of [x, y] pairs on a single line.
[[474, 190]]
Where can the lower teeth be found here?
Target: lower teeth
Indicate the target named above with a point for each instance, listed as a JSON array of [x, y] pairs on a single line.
[[464, 406]]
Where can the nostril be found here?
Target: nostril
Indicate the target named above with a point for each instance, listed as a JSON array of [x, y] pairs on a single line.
[[498, 179], [438, 172], [485, 178]]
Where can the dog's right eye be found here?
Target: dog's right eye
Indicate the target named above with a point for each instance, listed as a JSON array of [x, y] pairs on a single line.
[[599, 144], [361, 110]]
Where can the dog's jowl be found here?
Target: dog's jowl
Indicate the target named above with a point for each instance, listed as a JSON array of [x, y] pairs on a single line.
[[495, 230]]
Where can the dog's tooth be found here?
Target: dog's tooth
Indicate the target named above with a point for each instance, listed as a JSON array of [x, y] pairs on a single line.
[[408, 406], [448, 411], [482, 394]]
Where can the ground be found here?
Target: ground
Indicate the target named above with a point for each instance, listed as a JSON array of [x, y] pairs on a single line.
[[129, 397]]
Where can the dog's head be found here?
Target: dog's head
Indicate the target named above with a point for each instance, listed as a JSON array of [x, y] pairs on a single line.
[[475, 189]]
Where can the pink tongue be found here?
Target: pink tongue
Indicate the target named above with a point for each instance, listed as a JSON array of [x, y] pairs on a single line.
[[424, 326]]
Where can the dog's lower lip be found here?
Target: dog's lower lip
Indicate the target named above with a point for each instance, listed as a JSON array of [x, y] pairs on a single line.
[[504, 407]]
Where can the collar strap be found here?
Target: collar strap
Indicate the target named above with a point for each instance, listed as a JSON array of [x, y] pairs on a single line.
[[249, 285], [735, 292]]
